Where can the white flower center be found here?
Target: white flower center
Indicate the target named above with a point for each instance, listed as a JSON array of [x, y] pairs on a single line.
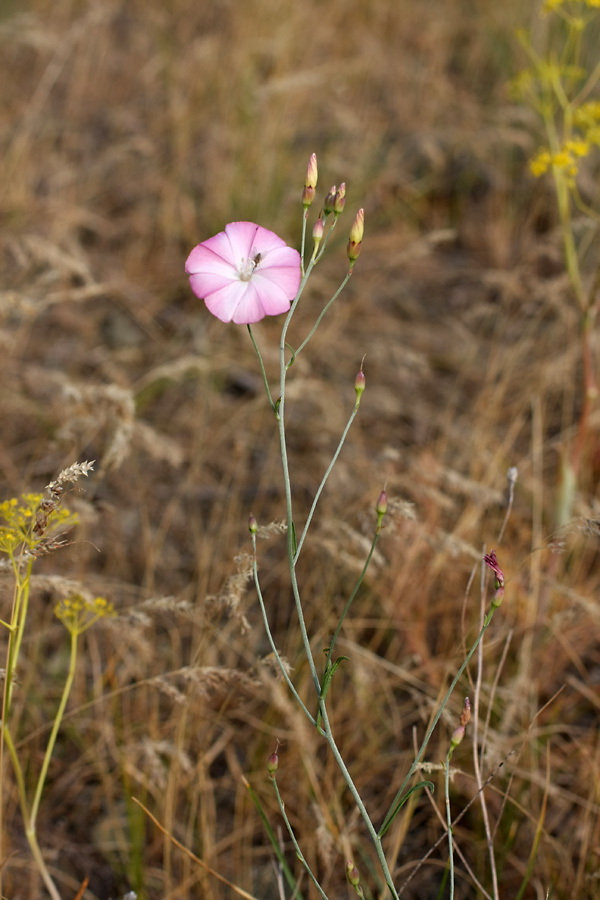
[[248, 267]]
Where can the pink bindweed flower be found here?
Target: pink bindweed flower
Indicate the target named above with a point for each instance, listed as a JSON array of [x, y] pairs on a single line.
[[244, 273]]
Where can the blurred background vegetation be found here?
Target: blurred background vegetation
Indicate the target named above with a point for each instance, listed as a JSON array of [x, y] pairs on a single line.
[[129, 132]]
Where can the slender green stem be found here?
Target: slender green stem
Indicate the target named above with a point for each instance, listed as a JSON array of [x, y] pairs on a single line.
[[55, 727], [323, 312], [324, 481], [438, 714], [262, 367], [41, 865], [303, 239], [29, 831], [290, 830], [270, 636], [355, 590], [449, 820], [328, 734], [12, 752]]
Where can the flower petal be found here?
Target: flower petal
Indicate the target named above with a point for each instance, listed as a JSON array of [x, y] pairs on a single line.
[[244, 273]]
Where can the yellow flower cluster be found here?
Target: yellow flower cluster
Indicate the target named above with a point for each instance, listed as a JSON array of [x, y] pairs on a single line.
[[549, 5], [19, 517], [77, 613], [587, 120], [565, 159]]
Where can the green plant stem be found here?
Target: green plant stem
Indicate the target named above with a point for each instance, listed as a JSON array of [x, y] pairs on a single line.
[[55, 727], [328, 734], [449, 820], [290, 830], [283, 368], [303, 239], [323, 312], [262, 367], [437, 716], [29, 831], [324, 480], [270, 638], [355, 590]]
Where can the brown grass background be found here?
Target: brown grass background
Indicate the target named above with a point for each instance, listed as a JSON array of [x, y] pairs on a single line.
[[131, 131]]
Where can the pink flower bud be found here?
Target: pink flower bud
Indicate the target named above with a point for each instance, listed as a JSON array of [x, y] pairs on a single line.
[[352, 873], [312, 173], [329, 202], [340, 199], [356, 236], [308, 194], [381, 507], [358, 227], [272, 764], [318, 231], [252, 524], [359, 383]]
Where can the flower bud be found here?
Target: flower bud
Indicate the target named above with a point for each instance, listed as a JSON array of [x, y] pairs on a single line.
[[312, 172], [381, 507], [308, 194], [252, 524], [359, 384], [459, 733], [352, 873], [358, 227], [318, 231], [329, 202], [272, 764], [340, 199], [356, 236]]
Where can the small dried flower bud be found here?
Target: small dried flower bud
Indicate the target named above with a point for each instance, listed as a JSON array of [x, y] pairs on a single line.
[[329, 202], [459, 733], [318, 231], [252, 524], [272, 764], [465, 716], [359, 383], [352, 873], [340, 199], [381, 507]]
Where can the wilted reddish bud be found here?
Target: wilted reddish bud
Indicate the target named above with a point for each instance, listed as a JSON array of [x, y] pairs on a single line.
[[491, 561], [459, 733], [340, 199], [356, 236], [252, 524], [318, 231], [381, 507], [312, 173], [272, 764], [329, 202]]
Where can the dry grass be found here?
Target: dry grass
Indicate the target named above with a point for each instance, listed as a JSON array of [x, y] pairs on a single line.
[[130, 131]]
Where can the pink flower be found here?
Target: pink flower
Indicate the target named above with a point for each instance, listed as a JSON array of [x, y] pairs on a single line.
[[244, 273]]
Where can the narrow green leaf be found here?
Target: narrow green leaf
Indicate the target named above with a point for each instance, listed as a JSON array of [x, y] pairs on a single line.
[[398, 804]]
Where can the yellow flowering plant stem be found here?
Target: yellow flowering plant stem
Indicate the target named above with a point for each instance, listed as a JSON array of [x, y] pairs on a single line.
[[557, 85]]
